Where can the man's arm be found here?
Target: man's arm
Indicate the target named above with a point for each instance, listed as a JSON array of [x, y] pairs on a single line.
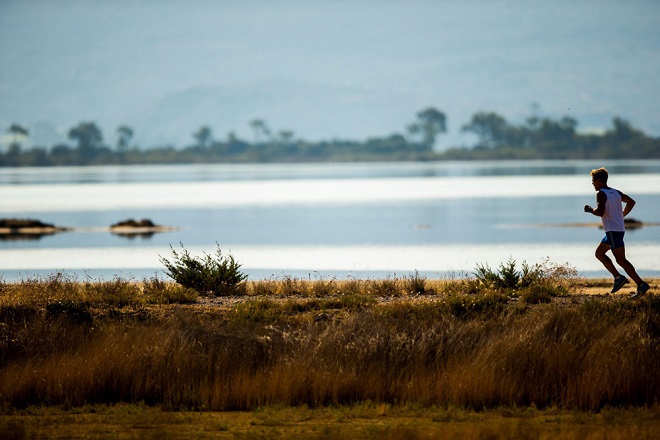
[[601, 198], [630, 203]]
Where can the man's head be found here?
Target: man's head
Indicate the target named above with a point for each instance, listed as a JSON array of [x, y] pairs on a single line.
[[599, 178]]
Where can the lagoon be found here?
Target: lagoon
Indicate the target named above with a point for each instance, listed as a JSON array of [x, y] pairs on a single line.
[[326, 220]]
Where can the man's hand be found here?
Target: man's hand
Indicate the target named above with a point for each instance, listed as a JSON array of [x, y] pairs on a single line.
[[589, 209]]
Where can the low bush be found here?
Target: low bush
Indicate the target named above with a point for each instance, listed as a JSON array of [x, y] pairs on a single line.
[[534, 284], [508, 277], [217, 275]]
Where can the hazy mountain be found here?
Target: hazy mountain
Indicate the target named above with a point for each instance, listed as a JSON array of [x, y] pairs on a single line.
[[331, 69]]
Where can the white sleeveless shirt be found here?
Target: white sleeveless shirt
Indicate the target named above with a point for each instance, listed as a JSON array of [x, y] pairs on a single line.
[[613, 217]]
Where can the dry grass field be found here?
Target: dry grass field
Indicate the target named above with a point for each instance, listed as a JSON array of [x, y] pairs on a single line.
[[290, 358], [367, 421]]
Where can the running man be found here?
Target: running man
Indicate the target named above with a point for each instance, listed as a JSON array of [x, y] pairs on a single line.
[[611, 212]]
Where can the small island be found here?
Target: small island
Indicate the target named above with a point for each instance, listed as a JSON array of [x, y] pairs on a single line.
[[32, 229], [16, 228], [142, 228]]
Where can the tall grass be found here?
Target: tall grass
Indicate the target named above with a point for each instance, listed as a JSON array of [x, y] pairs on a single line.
[[456, 344]]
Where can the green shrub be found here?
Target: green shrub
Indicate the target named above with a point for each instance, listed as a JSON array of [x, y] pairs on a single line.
[[534, 284], [532, 274], [217, 275], [507, 278]]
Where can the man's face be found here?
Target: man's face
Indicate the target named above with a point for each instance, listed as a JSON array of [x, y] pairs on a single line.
[[597, 184]]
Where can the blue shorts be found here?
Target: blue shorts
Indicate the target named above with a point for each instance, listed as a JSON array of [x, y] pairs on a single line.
[[614, 239]]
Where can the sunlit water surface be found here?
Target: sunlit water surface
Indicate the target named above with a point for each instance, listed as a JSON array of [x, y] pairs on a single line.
[[330, 220]]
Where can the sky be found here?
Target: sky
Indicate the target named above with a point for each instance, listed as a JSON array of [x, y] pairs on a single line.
[[334, 69]]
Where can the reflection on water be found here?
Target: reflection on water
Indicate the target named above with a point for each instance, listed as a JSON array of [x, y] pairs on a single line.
[[18, 236], [223, 172], [326, 217], [134, 235], [181, 195]]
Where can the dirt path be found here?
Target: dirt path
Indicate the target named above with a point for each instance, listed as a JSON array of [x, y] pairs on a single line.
[[603, 286], [587, 289]]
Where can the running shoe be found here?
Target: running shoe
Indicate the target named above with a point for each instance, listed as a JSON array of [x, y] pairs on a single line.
[[618, 283], [643, 288]]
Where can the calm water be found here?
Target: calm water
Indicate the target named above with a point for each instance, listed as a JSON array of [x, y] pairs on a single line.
[[331, 220]]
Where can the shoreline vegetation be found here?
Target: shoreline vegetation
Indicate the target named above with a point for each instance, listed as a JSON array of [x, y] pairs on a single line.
[[496, 139], [545, 351]]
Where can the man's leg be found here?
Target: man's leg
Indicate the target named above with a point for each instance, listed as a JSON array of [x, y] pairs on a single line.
[[601, 250], [620, 255]]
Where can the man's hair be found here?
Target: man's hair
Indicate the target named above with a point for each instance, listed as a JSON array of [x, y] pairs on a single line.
[[599, 174]]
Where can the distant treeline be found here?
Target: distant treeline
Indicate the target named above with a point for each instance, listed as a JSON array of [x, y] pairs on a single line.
[[536, 138]]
